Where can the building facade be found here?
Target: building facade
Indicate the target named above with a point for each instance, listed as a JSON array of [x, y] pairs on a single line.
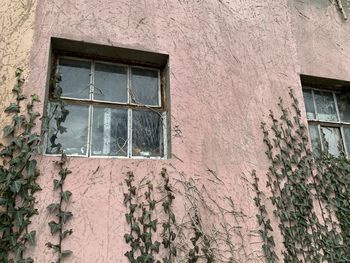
[[219, 68]]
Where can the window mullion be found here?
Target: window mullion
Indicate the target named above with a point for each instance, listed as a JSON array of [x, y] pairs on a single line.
[[129, 112], [129, 133], [164, 139], [339, 120], [343, 141], [314, 102], [159, 90], [321, 136], [90, 121], [128, 72]]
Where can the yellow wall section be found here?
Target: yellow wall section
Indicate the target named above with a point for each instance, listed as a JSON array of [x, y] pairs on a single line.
[[16, 34]]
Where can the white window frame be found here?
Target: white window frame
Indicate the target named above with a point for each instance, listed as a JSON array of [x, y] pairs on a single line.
[[333, 124], [129, 105]]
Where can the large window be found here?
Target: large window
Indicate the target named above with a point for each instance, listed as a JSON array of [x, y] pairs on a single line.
[[111, 110], [328, 114]]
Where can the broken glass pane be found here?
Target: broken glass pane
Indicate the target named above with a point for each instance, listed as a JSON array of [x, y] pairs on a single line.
[[315, 139], [325, 106], [75, 78], [110, 83], [109, 132], [144, 86], [332, 139], [309, 104], [73, 135], [344, 107], [147, 133]]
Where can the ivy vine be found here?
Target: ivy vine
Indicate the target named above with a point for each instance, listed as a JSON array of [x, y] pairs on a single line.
[[310, 195], [168, 233], [18, 176], [63, 216], [143, 223], [59, 113], [265, 223]]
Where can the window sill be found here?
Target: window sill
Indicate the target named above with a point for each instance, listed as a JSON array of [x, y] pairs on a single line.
[[108, 157]]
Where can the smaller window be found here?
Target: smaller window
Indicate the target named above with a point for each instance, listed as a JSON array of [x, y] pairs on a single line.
[[328, 114], [111, 109]]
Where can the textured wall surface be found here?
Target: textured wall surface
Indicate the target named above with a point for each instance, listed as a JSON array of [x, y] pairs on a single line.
[[16, 33], [322, 37], [229, 63]]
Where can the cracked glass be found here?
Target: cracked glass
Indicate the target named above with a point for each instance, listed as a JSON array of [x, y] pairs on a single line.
[[109, 132], [147, 133]]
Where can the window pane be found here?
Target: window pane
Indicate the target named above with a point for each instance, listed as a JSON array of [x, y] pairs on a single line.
[[147, 133], [73, 137], [110, 132], [309, 104], [75, 81], [344, 107], [144, 86], [332, 140], [325, 106], [315, 139], [110, 83]]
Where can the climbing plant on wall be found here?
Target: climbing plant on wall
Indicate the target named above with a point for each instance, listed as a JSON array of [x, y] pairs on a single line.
[[189, 239], [58, 208], [310, 196], [18, 176]]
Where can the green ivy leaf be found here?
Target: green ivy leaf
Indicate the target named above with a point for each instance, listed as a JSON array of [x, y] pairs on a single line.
[[18, 72], [34, 138], [66, 233], [8, 129], [128, 218], [31, 237], [127, 198], [135, 227], [19, 218], [66, 253], [31, 168], [155, 247], [153, 224], [35, 97], [65, 216], [56, 184], [18, 249], [54, 227], [66, 195], [128, 238], [53, 207], [12, 108], [130, 256], [172, 217], [152, 204], [16, 185]]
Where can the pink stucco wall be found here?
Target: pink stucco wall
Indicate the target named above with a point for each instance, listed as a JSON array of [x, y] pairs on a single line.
[[229, 63], [322, 36]]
